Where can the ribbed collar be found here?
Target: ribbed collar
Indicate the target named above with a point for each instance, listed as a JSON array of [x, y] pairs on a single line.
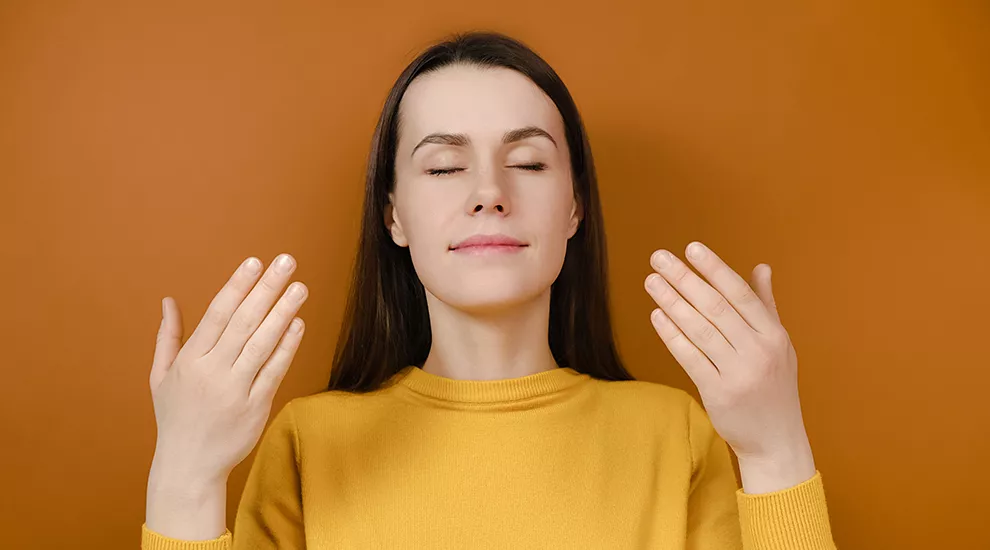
[[488, 391]]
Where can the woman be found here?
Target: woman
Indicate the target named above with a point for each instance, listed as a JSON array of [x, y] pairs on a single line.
[[476, 397]]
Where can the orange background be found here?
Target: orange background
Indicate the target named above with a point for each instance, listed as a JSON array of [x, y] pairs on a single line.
[[146, 149]]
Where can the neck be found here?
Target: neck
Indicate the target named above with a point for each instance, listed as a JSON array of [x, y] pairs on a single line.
[[490, 343]]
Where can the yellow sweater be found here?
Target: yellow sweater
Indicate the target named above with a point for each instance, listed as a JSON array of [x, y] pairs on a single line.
[[556, 459]]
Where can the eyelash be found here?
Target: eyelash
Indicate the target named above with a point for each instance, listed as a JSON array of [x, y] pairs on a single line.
[[534, 167]]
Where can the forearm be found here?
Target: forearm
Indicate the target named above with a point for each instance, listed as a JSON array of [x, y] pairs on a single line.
[[186, 509], [791, 466]]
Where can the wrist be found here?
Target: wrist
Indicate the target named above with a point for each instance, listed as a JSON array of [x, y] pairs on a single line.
[[185, 487], [186, 510], [168, 472], [788, 466]]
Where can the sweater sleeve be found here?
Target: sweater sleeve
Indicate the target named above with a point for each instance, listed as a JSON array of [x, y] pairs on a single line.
[[270, 511], [721, 515]]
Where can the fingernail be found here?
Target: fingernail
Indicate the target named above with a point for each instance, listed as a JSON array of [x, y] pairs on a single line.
[[696, 251], [651, 280], [295, 290], [163, 309], [656, 315], [661, 259], [283, 264], [252, 266]]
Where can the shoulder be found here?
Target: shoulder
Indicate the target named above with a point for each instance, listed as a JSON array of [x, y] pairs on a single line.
[[307, 408], [339, 412], [645, 394], [674, 407], [677, 413]]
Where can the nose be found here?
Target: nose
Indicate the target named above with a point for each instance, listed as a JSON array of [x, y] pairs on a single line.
[[490, 194]]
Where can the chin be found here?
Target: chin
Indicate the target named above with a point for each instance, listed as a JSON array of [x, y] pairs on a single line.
[[491, 296]]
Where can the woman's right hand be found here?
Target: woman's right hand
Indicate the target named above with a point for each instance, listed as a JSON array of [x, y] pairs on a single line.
[[212, 398]]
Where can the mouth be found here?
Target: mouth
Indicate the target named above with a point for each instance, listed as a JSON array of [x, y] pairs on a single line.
[[479, 249], [480, 243]]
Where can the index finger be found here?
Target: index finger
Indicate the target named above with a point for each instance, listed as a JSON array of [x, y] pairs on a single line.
[[222, 308], [733, 287], [254, 309]]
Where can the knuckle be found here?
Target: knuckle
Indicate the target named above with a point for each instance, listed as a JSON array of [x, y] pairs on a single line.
[[263, 391], [242, 324], [706, 333], [676, 338], [668, 298], [659, 292], [680, 274], [255, 349], [216, 317], [720, 307], [748, 296], [270, 283], [278, 316]]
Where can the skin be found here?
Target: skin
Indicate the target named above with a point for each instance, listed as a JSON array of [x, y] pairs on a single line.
[[489, 313]]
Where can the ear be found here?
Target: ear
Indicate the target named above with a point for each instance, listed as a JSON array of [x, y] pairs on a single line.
[[393, 224], [577, 214]]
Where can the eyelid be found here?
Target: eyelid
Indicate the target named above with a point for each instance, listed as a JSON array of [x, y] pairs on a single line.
[[528, 166], [443, 171], [531, 166]]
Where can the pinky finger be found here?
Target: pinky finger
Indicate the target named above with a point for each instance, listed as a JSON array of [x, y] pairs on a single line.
[[270, 375], [695, 363], [167, 343]]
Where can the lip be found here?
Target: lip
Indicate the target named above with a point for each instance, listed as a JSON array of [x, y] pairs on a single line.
[[494, 241]]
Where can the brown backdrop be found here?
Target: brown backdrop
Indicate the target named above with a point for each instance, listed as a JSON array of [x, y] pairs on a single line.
[[145, 150]]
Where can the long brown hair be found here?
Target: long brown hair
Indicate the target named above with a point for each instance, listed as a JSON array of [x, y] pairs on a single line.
[[386, 323]]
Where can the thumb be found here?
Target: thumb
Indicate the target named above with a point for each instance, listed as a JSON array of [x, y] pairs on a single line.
[[764, 289], [167, 343]]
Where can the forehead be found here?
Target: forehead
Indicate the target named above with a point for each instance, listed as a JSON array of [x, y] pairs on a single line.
[[471, 99]]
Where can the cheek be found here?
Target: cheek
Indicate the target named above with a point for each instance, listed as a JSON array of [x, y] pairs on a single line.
[[548, 217], [431, 215], [550, 208]]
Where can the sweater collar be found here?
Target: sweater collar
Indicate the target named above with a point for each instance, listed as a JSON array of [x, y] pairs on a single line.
[[488, 391]]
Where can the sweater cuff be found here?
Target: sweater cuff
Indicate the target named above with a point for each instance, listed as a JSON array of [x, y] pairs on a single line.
[[792, 518], [151, 540]]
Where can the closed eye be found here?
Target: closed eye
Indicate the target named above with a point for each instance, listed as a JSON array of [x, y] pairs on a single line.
[[442, 171], [534, 167]]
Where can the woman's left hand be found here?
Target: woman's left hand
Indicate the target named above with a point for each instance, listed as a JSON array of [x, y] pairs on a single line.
[[728, 338]]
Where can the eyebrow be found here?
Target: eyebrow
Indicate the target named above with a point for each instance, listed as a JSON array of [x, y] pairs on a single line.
[[462, 140]]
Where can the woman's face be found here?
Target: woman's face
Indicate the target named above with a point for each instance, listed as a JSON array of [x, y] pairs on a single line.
[[482, 151]]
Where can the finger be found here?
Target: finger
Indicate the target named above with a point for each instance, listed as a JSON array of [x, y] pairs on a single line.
[[707, 301], [218, 314], [730, 285], [259, 346], [270, 376], [762, 284], [168, 342], [697, 366], [699, 330], [253, 310]]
